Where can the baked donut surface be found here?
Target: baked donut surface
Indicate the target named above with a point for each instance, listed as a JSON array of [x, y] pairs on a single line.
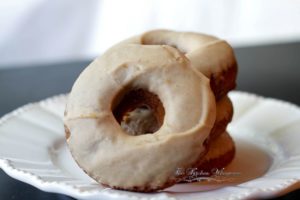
[[220, 153], [95, 110], [211, 56], [223, 117]]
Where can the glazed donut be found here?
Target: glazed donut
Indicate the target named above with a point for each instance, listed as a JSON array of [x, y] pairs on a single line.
[[163, 81], [211, 56], [220, 153], [223, 117], [220, 146]]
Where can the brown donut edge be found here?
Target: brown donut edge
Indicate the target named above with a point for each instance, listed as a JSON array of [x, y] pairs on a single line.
[[216, 163], [224, 81], [221, 124]]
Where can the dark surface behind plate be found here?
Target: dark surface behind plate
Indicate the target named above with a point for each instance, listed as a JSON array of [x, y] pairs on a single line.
[[272, 71]]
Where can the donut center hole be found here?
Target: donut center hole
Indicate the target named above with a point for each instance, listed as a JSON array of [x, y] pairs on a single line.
[[139, 112]]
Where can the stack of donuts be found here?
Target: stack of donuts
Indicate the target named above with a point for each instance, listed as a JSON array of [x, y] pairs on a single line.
[[152, 106]]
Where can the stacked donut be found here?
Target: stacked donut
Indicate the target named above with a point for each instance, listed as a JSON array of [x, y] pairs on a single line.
[[151, 105]]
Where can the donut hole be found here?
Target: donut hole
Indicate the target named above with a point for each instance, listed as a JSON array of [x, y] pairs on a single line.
[[139, 112]]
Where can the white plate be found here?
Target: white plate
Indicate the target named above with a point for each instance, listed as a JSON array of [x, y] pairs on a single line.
[[267, 162]]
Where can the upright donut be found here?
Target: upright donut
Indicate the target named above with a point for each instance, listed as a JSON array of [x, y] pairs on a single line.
[[211, 56], [140, 161], [215, 59]]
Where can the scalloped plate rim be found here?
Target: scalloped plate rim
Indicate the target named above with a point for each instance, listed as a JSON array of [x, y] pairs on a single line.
[[69, 189]]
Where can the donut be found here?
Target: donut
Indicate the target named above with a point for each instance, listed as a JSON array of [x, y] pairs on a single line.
[[157, 81], [221, 152], [221, 149], [223, 117], [211, 56]]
